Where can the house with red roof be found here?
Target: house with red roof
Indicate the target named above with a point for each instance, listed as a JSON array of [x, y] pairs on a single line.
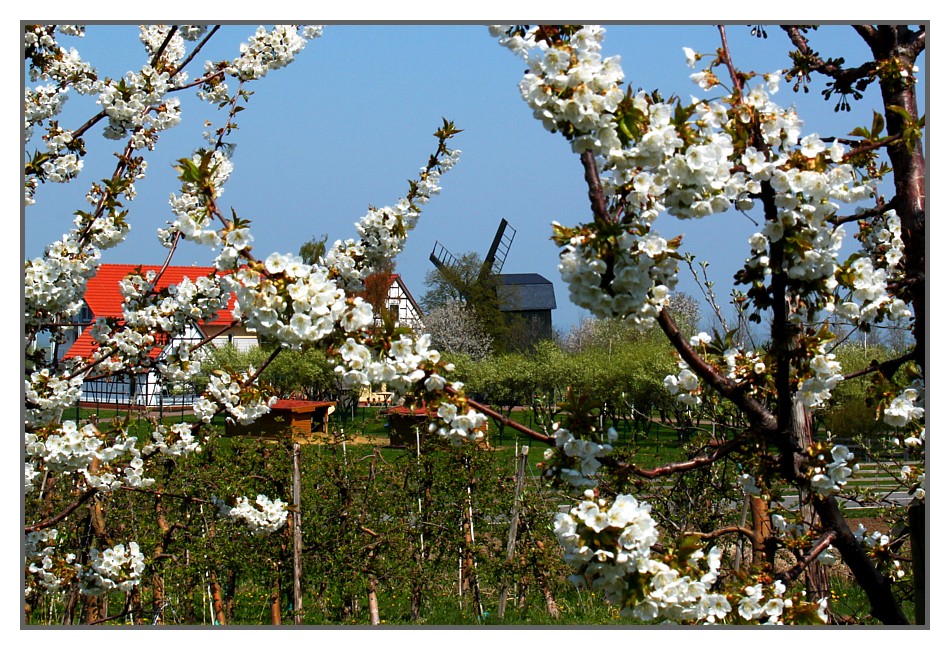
[[103, 298]]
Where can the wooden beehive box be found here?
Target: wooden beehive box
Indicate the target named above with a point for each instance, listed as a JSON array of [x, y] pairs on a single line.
[[302, 420]]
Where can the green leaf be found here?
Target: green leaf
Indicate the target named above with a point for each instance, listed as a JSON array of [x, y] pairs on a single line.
[[877, 125]]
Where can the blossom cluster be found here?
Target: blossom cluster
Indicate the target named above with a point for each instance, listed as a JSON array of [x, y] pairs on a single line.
[[868, 276], [293, 302], [569, 86], [915, 478], [47, 395], [243, 403], [55, 282], [638, 278], [193, 218], [878, 545], [749, 484], [114, 568], [62, 70], [684, 385], [268, 517], [271, 49], [608, 544], [575, 460], [785, 529], [45, 570], [458, 427], [824, 374], [906, 408], [68, 448], [399, 367], [174, 440], [828, 476], [383, 231], [137, 104]]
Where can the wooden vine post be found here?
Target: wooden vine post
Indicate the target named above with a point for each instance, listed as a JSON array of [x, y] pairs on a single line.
[[295, 518], [513, 529], [469, 567]]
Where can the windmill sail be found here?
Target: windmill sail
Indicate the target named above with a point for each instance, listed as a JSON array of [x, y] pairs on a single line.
[[490, 268], [441, 257], [498, 251]]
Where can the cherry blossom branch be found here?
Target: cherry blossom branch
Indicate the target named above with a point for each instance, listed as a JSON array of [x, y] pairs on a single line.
[[161, 48], [498, 417], [168, 260], [52, 521], [818, 64], [826, 540], [876, 211], [726, 57], [760, 417], [678, 467], [595, 191], [159, 493], [198, 48], [728, 530], [888, 368], [91, 122]]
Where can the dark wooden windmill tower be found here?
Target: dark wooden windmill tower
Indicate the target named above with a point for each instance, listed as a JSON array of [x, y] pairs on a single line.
[[526, 299]]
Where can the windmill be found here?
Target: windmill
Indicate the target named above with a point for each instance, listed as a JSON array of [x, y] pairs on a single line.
[[490, 267], [523, 300]]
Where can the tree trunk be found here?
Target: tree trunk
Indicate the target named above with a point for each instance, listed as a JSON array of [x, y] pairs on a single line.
[[91, 609], [373, 600], [470, 577], [69, 610], [894, 42], [275, 602], [550, 605], [217, 601], [158, 583], [763, 551], [816, 574], [899, 44], [135, 605]]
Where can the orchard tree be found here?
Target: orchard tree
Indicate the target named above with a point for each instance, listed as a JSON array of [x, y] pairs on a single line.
[[645, 160]]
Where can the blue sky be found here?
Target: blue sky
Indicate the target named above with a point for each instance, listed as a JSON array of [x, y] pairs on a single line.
[[351, 120]]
